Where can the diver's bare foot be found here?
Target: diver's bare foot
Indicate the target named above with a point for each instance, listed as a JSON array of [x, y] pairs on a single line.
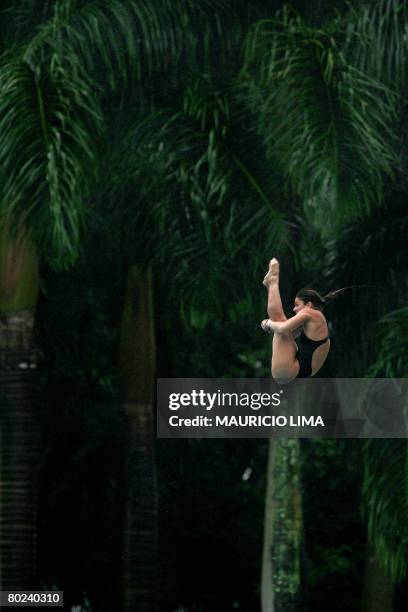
[[266, 326], [273, 273]]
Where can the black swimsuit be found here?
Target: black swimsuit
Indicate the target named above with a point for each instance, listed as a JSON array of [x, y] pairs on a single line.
[[305, 353]]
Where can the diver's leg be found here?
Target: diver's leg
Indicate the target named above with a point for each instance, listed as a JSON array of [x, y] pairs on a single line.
[[284, 366], [271, 281]]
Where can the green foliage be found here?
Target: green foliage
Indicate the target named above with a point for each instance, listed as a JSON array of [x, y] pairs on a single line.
[[191, 185], [392, 357], [369, 254], [385, 493], [376, 38], [195, 176], [385, 490], [231, 204], [117, 39], [59, 67], [48, 124], [328, 123]]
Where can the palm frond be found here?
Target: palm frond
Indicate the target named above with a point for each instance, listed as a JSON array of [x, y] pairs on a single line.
[[385, 497], [120, 41], [392, 356], [20, 19], [370, 245], [53, 83], [328, 124], [194, 176], [376, 39], [48, 127]]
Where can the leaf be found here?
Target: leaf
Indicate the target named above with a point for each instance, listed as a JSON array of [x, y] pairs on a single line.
[[385, 496], [329, 123]]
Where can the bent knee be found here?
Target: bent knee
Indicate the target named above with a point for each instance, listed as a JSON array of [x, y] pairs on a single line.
[[279, 318], [281, 376]]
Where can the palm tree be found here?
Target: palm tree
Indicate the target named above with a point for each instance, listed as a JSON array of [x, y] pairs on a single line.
[[140, 546], [283, 529], [336, 159], [57, 72], [328, 111], [375, 348], [18, 362], [212, 204], [31, 159]]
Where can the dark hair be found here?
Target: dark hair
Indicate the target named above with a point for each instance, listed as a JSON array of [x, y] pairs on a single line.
[[318, 301]]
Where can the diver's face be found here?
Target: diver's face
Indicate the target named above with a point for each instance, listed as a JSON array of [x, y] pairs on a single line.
[[299, 305]]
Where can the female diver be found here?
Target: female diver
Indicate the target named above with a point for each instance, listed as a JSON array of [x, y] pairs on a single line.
[[289, 359]]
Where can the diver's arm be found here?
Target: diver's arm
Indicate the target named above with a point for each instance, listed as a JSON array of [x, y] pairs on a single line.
[[294, 324]]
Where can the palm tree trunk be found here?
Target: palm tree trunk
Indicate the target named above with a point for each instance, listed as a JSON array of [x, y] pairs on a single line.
[[283, 528], [19, 427], [137, 365], [267, 594]]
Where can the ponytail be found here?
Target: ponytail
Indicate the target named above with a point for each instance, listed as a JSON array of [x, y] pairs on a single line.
[[332, 295], [319, 301]]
